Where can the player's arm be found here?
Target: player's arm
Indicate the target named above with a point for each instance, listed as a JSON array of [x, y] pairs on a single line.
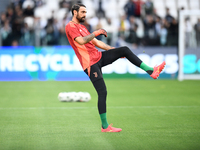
[[101, 44], [83, 40]]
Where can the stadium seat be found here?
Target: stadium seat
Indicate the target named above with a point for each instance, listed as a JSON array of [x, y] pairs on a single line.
[[28, 3], [52, 5], [140, 30], [61, 13], [182, 3], [194, 19], [161, 12], [29, 21], [194, 4], [174, 13], [39, 12], [158, 4], [171, 4], [110, 7], [160, 7], [121, 5], [90, 8]]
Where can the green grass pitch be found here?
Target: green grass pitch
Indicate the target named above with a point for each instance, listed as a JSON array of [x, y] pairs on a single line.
[[153, 115]]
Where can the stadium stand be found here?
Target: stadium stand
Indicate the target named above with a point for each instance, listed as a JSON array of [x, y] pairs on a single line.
[[49, 18]]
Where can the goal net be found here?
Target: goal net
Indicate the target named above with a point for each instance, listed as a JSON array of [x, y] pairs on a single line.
[[189, 45]]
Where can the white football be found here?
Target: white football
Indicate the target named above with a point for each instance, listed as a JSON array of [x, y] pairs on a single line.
[[81, 96], [70, 96], [76, 97], [86, 97], [62, 97]]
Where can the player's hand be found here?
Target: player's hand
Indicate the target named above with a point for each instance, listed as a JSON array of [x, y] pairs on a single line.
[[100, 32]]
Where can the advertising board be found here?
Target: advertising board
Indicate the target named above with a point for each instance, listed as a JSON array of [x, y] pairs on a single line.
[[60, 63]]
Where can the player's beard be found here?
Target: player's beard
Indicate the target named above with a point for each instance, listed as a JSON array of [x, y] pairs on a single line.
[[80, 19]]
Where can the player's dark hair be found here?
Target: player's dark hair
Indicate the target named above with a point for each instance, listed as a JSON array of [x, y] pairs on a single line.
[[76, 7]]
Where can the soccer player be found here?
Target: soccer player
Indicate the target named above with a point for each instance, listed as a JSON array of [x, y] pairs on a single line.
[[93, 60]]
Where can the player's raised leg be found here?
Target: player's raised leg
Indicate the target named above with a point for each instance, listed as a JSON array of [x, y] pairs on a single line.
[[114, 54]]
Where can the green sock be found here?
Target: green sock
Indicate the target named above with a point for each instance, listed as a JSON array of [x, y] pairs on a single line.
[[146, 68], [104, 120]]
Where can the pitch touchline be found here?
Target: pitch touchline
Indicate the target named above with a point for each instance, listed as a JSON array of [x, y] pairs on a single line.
[[112, 107]]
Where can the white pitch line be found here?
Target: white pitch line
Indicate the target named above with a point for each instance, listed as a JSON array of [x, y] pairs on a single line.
[[110, 107]]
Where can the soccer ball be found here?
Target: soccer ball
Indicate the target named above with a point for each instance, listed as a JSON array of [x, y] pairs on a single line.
[[86, 97], [62, 96], [81, 96], [74, 96], [70, 96], [65, 96]]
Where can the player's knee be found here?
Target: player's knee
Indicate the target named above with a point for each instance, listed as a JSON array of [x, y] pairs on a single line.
[[102, 92], [126, 49]]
